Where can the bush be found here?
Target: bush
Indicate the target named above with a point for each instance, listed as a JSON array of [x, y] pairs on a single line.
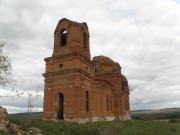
[[173, 120], [143, 117], [3, 133], [173, 129]]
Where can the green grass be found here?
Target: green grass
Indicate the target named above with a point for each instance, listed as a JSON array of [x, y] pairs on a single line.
[[141, 124], [130, 127]]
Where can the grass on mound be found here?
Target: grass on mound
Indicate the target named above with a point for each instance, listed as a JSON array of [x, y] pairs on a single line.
[[116, 127]]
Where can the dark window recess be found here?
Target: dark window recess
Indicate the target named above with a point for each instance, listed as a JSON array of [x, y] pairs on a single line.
[[107, 100], [63, 37], [95, 68], [85, 44], [111, 103], [61, 65], [86, 68], [60, 106], [87, 101]]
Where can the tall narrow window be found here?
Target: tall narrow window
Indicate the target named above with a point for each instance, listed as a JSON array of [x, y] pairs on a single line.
[[87, 101], [60, 102], [85, 44], [63, 37], [107, 100], [95, 68], [111, 103]]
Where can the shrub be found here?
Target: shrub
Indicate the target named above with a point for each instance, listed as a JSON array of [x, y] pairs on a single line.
[[173, 120], [3, 133], [173, 129]]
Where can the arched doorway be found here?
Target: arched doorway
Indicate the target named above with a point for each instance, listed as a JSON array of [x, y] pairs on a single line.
[[60, 100]]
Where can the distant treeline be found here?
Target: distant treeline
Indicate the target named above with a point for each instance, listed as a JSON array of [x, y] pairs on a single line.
[[33, 115], [156, 116]]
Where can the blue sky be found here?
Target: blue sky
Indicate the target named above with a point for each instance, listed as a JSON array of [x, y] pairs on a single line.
[[143, 36]]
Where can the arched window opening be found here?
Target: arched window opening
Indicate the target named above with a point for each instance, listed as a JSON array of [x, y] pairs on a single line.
[[85, 44], [87, 101], [63, 37], [107, 100]]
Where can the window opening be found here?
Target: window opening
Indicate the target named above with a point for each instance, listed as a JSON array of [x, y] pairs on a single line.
[[111, 103], [61, 65], [107, 100], [95, 68], [87, 101], [85, 45], [63, 37], [60, 106], [86, 68]]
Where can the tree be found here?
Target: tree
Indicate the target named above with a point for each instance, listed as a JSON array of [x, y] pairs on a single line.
[[6, 75], [32, 94]]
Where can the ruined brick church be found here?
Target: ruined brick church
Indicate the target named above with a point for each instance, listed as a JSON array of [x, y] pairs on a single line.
[[77, 88]]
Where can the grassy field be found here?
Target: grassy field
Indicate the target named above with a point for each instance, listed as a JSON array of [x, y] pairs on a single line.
[[130, 127], [142, 124]]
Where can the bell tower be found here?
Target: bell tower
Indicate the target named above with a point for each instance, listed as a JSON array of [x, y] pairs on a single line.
[[71, 37], [68, 71]]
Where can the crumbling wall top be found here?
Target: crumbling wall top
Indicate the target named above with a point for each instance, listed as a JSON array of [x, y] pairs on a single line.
[[103, 59], [68, 22]]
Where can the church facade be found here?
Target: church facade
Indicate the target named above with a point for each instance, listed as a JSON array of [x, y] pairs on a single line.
[[77, 88]]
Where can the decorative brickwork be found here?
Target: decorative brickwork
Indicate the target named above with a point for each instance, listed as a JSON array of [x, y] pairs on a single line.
[[80, 89]]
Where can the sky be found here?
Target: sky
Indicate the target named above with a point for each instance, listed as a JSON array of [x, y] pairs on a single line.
[[142, 35]]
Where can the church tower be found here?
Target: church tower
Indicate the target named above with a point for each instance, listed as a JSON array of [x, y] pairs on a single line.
[[71, 37], [68, 72]]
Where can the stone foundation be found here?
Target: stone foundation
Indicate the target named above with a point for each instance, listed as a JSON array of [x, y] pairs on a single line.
[[125, 117], [93, 119]]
